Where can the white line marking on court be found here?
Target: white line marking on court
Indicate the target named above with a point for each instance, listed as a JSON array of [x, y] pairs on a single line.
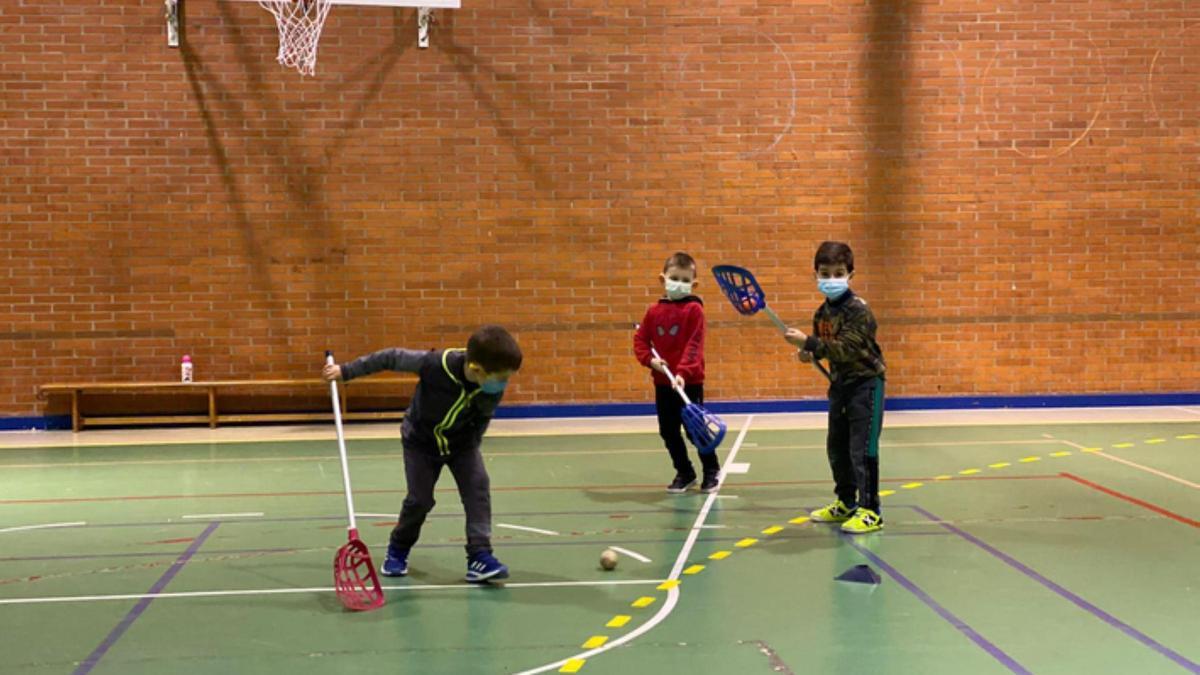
[[713, 527], [750, 445], [24, 528], [632, 554], [727, 496], [215, 516], [1156, 472], [317, 589], [529, 529], [1047, 436], [737, 467], [673, 592], [376, 515]]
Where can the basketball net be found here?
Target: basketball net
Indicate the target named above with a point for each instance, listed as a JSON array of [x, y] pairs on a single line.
[[300, 23]]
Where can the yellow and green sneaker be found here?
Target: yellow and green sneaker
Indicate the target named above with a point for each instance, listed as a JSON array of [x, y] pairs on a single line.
[[836, 512], [864, 521]]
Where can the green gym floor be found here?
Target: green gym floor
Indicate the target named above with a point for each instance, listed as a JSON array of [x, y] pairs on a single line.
[[1041, 547]]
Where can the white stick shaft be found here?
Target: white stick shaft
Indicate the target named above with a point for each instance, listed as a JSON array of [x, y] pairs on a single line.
[[667, 372], [341, 438], [776, 320]]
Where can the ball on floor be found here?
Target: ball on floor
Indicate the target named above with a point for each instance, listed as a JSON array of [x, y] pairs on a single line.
[[608, 559]]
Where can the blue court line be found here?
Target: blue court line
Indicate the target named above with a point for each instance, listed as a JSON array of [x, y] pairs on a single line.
[[98, 653], [973, 635], [1074, 599]]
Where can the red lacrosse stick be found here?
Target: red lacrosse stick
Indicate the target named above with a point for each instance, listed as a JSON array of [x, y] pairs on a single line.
[[354, 575]]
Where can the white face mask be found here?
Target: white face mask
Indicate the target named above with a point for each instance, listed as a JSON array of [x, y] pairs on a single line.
[[678, 289]]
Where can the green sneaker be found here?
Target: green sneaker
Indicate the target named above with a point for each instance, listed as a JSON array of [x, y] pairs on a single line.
[[836, 512], [864, 521]]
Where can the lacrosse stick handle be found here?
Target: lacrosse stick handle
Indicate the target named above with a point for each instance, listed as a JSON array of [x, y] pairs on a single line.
[[822, 369], [667, 372], [775, 319], [341, 438]]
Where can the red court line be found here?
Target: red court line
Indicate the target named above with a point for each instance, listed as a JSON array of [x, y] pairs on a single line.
[[1132, 500], [514, 488]]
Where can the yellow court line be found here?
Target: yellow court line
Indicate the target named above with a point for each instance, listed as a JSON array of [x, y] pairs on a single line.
[[799, 521], [1123, 445], [1155, 441], [720, 555], [1062, 453], [668, 585], [911, 486], [572, 666], [886, 493], [618, 621], [1097, 449], [772, 530], [999, 465], [748, 541], [595, 641], [694, 569], [1026, 460], [943, 477], [644, 601], [968, 472], [1187, 437]]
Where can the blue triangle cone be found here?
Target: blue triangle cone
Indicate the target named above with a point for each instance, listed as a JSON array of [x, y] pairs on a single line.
[[859, 574]]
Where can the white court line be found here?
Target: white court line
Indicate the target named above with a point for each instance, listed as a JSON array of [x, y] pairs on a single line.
[[376, 515], [1156, 472], [713, 527], [673, 592], [24, 528], [528, 529], [727, 496], [317, 589], [215, 516], [632, 554], [737, 467]]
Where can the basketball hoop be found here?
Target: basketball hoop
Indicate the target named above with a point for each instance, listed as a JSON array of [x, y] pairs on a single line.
[[300, 23]]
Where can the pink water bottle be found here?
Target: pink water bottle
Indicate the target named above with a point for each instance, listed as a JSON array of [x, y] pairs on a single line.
[[185, 369]]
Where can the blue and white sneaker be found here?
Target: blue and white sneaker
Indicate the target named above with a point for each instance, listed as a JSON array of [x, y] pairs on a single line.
[[484, 567], [396, 563]]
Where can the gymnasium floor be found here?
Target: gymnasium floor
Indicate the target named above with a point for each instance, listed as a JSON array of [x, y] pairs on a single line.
[[1058, 541]]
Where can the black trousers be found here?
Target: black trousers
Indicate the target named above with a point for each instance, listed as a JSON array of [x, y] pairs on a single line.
[[855, 424], [670, 420], [422, 469]]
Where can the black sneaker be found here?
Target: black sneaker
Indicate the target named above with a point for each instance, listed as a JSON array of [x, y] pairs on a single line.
[[710, 483], [681, 484]]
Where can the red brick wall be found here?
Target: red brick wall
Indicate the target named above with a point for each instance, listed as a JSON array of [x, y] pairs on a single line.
[[1019, 180]]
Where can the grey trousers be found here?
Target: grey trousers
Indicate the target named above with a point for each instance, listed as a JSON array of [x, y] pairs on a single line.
[[422, 469]]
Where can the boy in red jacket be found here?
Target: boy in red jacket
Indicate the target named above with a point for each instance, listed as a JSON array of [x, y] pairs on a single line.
[[675, 327]]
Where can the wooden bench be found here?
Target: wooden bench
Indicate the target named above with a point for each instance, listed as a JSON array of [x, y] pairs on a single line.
[[76, 390]]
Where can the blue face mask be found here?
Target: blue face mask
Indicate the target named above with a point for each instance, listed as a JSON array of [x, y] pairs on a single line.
[[833, 288], [493, 386]]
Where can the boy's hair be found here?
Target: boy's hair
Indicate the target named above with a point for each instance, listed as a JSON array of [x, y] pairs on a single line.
[[833, 253], [680, 259], [494, 349]]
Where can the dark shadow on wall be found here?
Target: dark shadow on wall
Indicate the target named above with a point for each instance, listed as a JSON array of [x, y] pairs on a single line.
[[888, 76]]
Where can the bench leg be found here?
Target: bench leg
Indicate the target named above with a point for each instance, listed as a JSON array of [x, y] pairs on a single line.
[[212, 407], [76, 420]]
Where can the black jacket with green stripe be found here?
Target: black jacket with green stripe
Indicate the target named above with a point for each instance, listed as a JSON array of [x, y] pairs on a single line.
[[844, 333], [448, 413]]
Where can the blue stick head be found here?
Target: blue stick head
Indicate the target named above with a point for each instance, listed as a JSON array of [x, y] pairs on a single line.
[[741, 288]]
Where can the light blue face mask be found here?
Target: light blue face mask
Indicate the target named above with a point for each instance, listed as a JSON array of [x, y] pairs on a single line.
[[493, 386], [833, 288]]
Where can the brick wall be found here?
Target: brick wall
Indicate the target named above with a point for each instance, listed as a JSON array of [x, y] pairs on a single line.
[[1019, 180]]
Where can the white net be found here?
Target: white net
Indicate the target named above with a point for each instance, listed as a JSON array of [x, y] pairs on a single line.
[[300, 23]]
